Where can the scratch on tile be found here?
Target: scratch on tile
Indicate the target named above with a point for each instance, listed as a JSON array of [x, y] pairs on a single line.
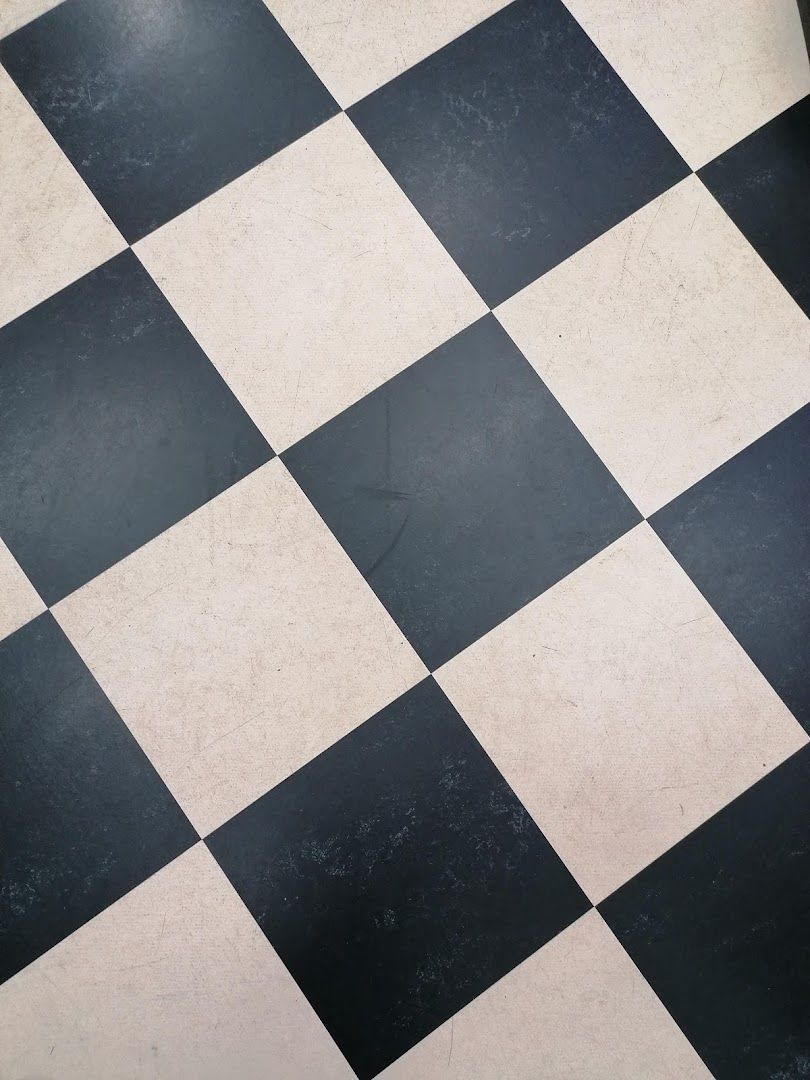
[[384, 555]]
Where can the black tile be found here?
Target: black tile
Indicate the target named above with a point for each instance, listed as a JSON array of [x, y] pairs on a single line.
[[83, 815], [113, 425], [158, 103], [763, 184], [397, 876], [461, 490], [518, 144], [720, 927], [743, 536]]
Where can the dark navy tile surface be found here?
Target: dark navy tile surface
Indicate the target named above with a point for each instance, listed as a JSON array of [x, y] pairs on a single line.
[[84, 817], [113, 425], [763, 184], [397, 876], [720, 927], [158, 103], [518, 144], [461, 490], [743, 536]]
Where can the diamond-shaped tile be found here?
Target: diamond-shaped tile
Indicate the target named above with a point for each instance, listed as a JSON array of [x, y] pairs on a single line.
[[113, 425], [159, 104], [239, 644], [310, 281], [461, 490], [621, 710], [518, 144], [397, 877]]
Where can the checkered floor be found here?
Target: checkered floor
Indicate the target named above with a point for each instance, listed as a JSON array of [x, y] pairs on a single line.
[[405, 559]]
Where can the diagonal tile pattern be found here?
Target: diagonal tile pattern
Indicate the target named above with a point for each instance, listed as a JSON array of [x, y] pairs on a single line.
[[314, 765]]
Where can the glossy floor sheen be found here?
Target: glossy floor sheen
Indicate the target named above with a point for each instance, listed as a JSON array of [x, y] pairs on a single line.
[[404, 540]]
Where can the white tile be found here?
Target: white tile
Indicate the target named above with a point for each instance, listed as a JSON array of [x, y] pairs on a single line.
[[709, 73], [668, 341], [310, 281], [175, 981], [389, 35], [576, 1010], [239, 644], [19, 600], [16, 13], [621, 710], [52, 229]]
